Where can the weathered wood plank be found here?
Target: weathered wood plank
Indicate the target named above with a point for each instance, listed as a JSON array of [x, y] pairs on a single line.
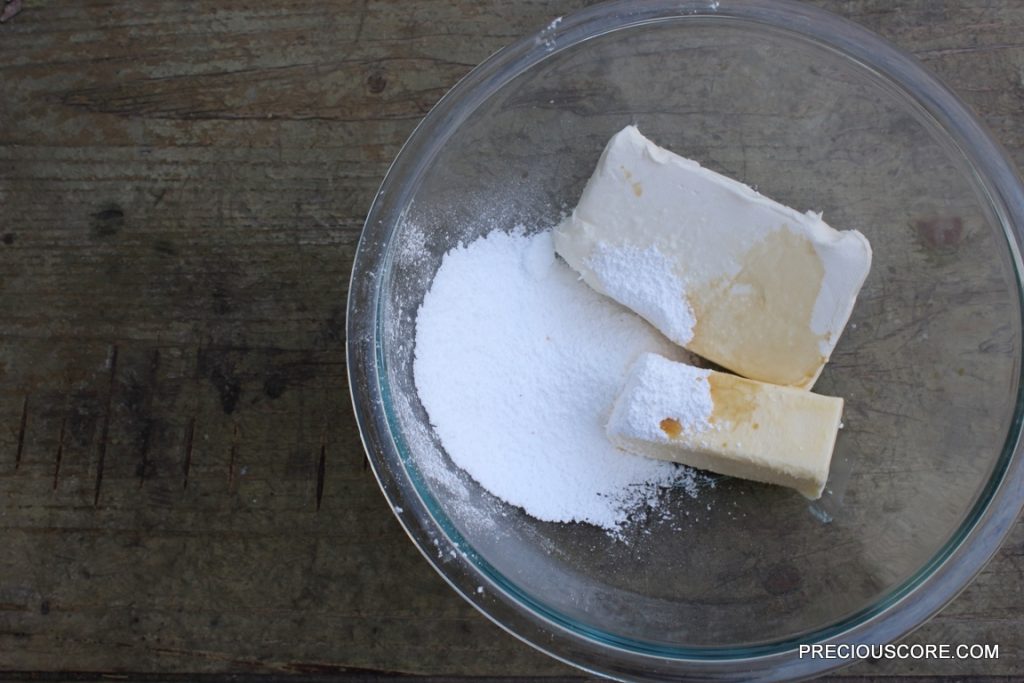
[[181, 188]]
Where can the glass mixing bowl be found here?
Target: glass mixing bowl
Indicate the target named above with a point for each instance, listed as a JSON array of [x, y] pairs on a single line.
[[819, 114]]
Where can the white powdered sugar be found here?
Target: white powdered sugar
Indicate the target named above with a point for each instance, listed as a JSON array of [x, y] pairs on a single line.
[[644, 281], [657, 390], [517, 364]]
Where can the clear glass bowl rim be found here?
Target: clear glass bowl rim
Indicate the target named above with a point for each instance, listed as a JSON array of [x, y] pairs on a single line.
[[909, 604]]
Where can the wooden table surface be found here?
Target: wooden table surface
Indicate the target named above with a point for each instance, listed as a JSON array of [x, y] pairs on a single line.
[[182, 184]]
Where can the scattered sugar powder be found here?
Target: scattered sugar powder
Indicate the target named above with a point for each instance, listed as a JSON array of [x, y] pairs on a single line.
[[659, 389], [644, 280], [517, 364]]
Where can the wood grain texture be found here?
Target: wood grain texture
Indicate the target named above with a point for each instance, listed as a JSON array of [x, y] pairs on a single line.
[[182, 488]]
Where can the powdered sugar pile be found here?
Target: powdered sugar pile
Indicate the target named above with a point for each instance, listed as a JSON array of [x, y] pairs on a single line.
[[518, 364], [643, 280]]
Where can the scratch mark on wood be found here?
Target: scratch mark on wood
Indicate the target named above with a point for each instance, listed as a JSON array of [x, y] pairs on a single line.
[[942, 52], [105, 434], [154, 365], [60, 453], [321, 468], [207, 654], [12, 607], [187, 465], [21, 434], [233, 458], [362, 22]]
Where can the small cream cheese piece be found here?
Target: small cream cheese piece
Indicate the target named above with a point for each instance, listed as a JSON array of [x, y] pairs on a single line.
[[726, 424], [733, 276]]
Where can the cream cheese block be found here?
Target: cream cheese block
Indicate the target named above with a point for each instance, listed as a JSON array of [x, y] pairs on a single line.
[[726, 424], [731, 275]]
